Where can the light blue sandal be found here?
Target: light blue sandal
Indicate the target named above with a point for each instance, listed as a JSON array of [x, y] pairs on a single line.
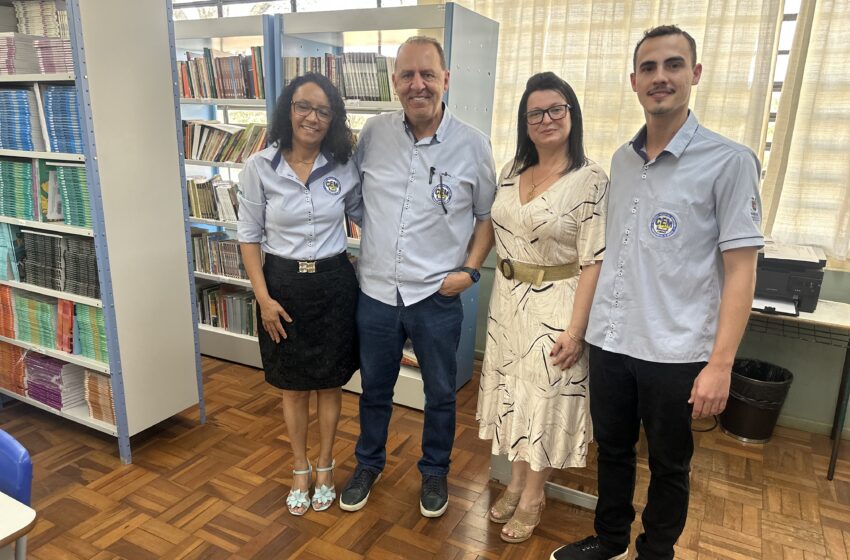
[[324, 495], [300, 498]]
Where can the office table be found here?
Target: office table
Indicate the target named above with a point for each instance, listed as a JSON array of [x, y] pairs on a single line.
[[16, 520], [829, 324]]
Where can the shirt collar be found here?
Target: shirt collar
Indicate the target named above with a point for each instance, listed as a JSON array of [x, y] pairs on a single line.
[[438, 136], [324, 163], [677, 144]]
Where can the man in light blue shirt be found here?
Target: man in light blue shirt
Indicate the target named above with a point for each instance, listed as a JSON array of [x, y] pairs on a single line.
[[672, 302], [428, 182]]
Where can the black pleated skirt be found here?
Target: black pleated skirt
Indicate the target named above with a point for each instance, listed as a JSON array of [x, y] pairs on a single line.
[[321, 350]]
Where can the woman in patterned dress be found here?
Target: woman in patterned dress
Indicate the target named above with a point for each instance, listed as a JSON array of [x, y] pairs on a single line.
[[549, 220]]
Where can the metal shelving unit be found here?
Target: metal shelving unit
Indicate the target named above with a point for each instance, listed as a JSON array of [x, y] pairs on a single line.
[[470, 43], [146, 296]]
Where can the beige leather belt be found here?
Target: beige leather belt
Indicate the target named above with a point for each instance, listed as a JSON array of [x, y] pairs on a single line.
[[536, 274]]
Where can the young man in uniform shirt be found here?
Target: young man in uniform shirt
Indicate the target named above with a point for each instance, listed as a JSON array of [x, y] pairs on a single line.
[[428, 184], [672, 302]]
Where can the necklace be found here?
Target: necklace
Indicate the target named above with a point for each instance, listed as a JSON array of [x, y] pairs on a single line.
[[534, 185]]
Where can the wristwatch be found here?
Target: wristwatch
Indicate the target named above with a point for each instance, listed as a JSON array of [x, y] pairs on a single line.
[[473, 273]]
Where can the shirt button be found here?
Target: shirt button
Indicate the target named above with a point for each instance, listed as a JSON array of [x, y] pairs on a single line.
[[636, 201], [643, 176], [410, 180], [416, 152], [634, 210]]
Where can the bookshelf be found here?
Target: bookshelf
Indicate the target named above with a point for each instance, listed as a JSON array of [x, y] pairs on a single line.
[[470, 42], [138, 231], [224, 35]]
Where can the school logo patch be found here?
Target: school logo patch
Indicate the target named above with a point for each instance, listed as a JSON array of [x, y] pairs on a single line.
[[331, 185], [441, 194], [663, 225], [754, 210]]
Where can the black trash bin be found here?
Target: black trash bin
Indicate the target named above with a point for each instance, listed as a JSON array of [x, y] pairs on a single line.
[[756, 395]]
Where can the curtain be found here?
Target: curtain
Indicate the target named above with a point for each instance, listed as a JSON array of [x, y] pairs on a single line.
[[807, 185], [590, 43]]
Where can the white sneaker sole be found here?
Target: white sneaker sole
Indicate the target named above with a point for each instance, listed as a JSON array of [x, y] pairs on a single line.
[[623, 556], [359, 505], [432, 514]]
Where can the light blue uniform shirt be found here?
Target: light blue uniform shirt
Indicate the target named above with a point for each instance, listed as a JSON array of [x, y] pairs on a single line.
[[669, 220], [293, 220], [409, 242]]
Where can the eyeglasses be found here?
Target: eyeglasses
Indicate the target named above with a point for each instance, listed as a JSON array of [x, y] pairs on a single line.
[[304, 109], [556, 113]]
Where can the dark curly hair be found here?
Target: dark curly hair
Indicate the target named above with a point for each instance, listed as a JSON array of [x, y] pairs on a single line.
[[339, 140], [526, 152]]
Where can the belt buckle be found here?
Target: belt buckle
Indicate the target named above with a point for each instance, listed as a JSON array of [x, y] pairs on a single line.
[[307, 266], [507, 268]]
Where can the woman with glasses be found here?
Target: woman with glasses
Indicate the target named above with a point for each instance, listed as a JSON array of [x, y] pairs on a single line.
[[292, 202], [549, 220]]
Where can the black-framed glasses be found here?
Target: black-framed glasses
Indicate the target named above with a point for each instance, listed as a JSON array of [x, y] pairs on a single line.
[[556, 113], [304, 109]]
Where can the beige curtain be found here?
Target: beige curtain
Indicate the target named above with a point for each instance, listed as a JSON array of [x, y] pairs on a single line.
[[589, 43], [807, 186]]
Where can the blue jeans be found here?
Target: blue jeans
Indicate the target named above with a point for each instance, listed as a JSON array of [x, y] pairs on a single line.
[[434, 326], [625, 392]]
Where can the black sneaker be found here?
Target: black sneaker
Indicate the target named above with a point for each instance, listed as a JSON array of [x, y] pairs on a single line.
[[435, 496], [588, 549], [356, 492]]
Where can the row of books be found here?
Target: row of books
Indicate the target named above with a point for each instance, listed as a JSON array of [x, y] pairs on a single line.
[[214, 141], [28, 54], [53, 323], [228, 307], [62, 194], [21, 114], [47, 18], [217, 75], [215, 253], [212, 198], [16, 189], [61, 262], [20, 125], [352, 230], [56, 383], [357, 75], [11, 252]]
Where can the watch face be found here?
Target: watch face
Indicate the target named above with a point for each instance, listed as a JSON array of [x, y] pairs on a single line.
[[474, 274]]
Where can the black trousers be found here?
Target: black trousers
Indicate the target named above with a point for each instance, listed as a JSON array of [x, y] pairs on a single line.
[[625, 392]]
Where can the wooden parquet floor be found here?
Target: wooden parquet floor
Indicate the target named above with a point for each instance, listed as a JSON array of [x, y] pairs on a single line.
[[217, 491]]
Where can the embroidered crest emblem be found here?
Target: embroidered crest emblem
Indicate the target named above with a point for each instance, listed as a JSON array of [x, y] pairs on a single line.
[[331, 185], [663, 225], [441, 194]]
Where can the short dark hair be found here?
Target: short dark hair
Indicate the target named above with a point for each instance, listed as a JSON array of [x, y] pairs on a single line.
[[661, 31], [339, 140], [425, 40], [526, 152]]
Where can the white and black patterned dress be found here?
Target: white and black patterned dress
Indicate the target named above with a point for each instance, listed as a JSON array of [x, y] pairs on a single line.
[[534, 411]]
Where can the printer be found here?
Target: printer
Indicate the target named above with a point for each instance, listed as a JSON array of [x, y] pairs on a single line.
[[788, 278]]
